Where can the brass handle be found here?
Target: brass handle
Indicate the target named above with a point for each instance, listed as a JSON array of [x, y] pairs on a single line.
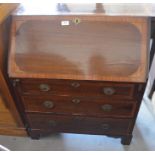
[[108, 91], [105, 126], [76, 100], [51, 123], [106, 107], [48, 104], [44, 87], [75, 84]]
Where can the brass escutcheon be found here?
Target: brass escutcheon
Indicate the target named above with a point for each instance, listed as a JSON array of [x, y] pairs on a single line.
[[108, 91], [44, 87], [48, 104], [76, 20], [106, 107]]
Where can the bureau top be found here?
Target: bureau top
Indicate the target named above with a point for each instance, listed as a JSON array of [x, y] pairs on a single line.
[[79, 47], [119, 9]]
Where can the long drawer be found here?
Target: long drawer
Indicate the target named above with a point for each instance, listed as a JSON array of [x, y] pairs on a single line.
[[77, 124], [79, 106], [72, 87]]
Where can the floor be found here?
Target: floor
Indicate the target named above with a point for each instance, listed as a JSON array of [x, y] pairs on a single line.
[[143, 138]]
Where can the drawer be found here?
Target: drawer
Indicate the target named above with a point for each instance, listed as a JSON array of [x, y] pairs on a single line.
[[72, 87], [79, 106], [78, 124]]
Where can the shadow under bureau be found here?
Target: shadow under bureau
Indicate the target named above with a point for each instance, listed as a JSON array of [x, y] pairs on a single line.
[[78, 73]]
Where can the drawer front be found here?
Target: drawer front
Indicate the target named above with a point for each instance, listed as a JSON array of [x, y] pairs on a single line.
[[71, 87], [77, 124], [79, 106]]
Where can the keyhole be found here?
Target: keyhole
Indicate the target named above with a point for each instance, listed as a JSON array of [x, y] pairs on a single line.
[[77, 21]]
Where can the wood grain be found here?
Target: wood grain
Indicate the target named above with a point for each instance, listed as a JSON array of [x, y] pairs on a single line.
[[98, 48], [12, 131], [94, 50], [6, 9], [80, 105], [83, 88], [3, 83], [85, 125], [8, 125], [5, 116], [10, 121]]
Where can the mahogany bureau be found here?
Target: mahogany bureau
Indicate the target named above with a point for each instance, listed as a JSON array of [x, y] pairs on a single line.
[[78, 70]]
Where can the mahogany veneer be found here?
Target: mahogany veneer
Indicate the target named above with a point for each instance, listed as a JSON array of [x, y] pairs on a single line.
[[78, 72]]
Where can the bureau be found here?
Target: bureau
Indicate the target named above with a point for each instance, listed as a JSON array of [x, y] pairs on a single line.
[[78, 72]]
